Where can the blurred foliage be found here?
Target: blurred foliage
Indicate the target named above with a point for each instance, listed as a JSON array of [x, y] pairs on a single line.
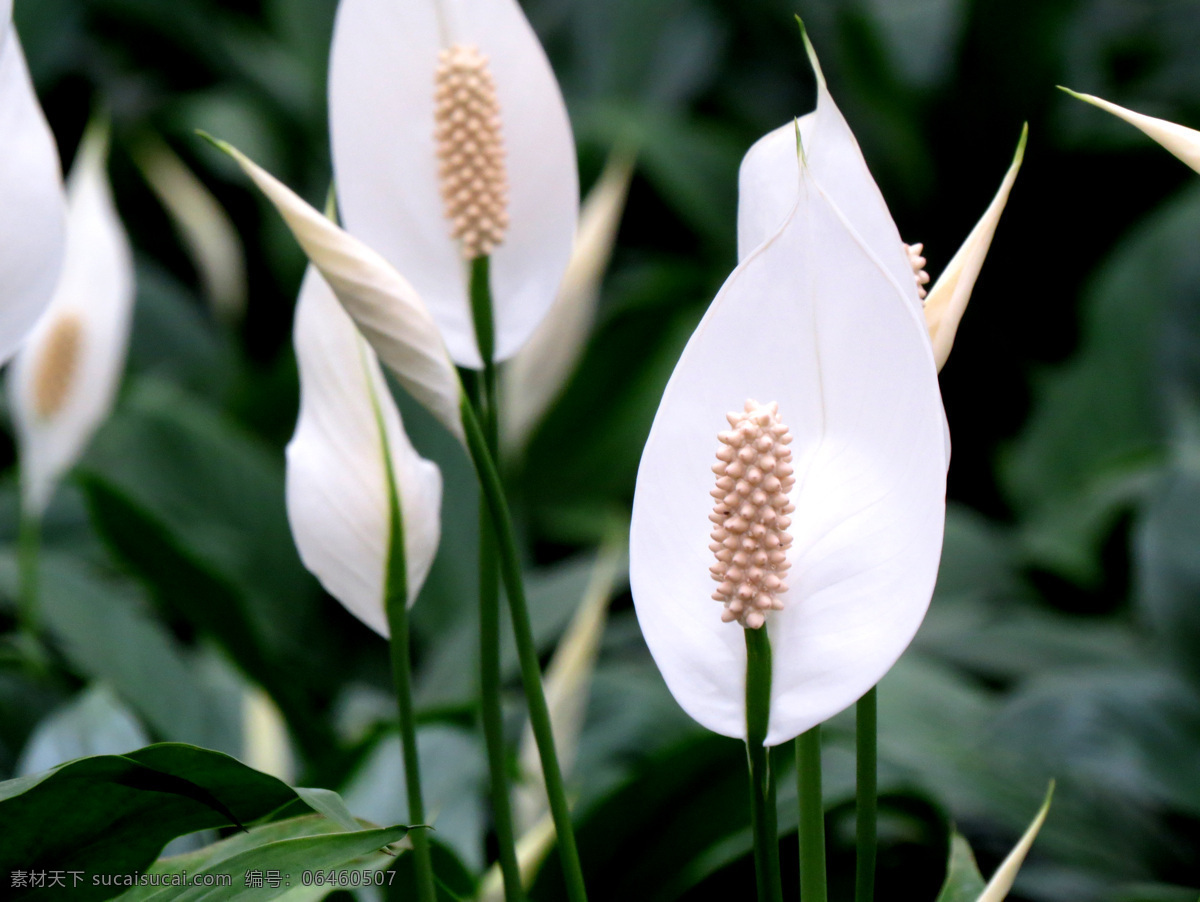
[[1064, 637]]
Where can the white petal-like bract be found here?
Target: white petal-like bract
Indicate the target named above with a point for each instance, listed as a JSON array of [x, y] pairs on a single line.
[[65, 378], [539, 371], [997, 888], [947, 300], [32, 206], [1180, 140], [818, 319], [337, 465], [381, 101], [385, 307]]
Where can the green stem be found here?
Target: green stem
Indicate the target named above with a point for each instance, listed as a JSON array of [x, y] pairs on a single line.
[[491, 710], [866, 729], [763, 810], [29, 545], [531, 675], [812, 817], [396, 604]]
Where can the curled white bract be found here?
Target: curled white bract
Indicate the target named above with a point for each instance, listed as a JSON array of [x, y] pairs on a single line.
[[348, 436]]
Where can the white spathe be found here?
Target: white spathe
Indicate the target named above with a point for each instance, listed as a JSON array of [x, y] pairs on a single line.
[[766, 196], [338, 461], [381, 108], [947, 299], [32, 206], [385, 307], [823, 318], [94, 303], [1180, 140]]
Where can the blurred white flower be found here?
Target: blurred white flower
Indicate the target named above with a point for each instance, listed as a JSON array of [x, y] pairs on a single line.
[[32, 206], [65, 378], [451, 141], [349, 449], [1180, 140], [822, 324], [208, 234], [539, 371]]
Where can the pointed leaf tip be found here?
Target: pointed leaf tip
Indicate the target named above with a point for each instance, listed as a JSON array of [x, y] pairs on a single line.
[[1002, 881]]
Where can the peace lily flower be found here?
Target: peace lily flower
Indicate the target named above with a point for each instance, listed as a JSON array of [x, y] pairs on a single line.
[[32, 206], [65, 378], [450, 143], [765, 198], [349, 449], [829, 477], [1178, 139]]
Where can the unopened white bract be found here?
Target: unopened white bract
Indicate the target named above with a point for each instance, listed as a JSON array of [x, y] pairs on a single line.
[[347, 437]]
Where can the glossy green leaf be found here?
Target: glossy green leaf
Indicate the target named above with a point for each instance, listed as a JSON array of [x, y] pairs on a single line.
[[963, 883]]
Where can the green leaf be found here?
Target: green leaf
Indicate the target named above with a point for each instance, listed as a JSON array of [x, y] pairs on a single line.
[[1168, 566], [94, 723], [196, 510], [206, 859], [106, 631], [291, 858], [963, 883], [1099, 423], [112, 814]]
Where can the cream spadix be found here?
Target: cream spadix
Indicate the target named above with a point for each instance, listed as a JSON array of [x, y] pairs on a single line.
[[348, 436], [451, 140], [765, 195], [32, 205], [65, 377], [817, 319], [1180, 140], [384, 306]]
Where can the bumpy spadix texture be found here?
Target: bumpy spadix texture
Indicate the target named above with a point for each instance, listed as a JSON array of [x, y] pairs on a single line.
[[65, 378], [32, 205], [348, 436], [822, 317], [391, 178], [470, 150], [750, 534], [918, 266]]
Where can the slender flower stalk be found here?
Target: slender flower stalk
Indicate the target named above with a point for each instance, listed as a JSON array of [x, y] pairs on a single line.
[[866, 731], [485, 403], [812, 816]]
